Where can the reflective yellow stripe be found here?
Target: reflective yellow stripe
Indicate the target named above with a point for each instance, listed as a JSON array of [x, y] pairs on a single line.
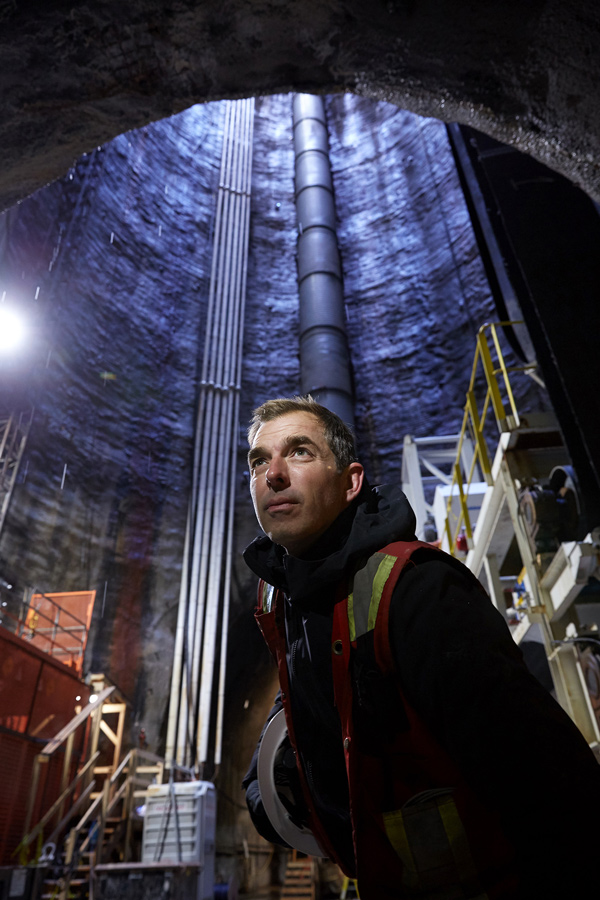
[[351, 622], [383, 573], [396, 832], [364, 598], [268, 592], [457, 838], [430, 840]]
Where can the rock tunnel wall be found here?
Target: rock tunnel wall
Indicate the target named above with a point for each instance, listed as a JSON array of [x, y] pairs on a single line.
[[121, 252], [76, 75], [118, 322]]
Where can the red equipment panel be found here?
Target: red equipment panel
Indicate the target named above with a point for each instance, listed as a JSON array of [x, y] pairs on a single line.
[[38, 697]]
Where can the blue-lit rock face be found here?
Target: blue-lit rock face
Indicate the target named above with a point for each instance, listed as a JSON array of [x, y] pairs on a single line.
[[121, 252], [119, 322], [415, 288]]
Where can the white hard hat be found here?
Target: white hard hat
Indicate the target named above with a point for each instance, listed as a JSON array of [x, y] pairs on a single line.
[[302, 838]]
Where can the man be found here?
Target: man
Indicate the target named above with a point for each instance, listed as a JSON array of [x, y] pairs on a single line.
[[431, 763]]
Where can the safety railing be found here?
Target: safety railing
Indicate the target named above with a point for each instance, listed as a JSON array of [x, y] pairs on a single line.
[[489, 391], [64, 737], [127, 786], [51, 627], [124, 787]]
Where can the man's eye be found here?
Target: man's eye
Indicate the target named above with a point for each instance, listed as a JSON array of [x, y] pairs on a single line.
[[256, 463], [301, 451]]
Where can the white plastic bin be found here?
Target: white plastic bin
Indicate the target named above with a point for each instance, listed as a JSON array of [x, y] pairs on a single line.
[[193, 814]]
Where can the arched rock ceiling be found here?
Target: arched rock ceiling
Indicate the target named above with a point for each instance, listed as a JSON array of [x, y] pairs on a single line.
[[75, 75]]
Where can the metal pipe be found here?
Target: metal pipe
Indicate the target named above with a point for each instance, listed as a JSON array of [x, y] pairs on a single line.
[[206, 501], [212, 610], [226, 597], [178, 697], [179, 678], [209, 315], [325, 369], [227, 437], [212, 537], [210, 521], [194, 610], [232, 488], [233, 377]]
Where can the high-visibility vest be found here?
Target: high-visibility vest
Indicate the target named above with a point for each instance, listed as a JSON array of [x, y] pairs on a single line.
[[419, 830]]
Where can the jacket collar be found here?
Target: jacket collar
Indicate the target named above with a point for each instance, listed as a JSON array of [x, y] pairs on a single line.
[[375, 518]]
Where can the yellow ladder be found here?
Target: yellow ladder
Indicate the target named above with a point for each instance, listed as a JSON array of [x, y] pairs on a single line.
[[346, 885]]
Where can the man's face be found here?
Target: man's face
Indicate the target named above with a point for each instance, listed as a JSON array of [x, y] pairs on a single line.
[[296, 489]]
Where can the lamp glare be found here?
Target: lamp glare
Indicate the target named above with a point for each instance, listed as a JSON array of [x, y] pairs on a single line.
[[12, 330]]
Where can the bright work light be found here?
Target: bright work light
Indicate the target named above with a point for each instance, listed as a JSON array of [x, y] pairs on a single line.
[[12, 329]]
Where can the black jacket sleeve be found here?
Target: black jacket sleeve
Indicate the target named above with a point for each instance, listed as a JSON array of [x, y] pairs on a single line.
[[463, 673], [254, 801]]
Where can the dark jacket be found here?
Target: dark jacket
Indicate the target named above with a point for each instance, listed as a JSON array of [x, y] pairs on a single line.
[[461, 671]]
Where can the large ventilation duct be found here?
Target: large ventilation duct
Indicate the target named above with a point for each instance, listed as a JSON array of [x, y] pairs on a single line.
[[324, 356]]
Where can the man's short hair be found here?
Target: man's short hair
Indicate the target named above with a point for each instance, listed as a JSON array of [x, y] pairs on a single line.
[[338, 435]]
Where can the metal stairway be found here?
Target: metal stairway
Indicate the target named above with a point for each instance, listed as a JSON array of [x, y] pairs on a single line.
[[94, 816]]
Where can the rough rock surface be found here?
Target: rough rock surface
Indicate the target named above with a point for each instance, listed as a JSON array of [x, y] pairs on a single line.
[[119, 257], [120, 250], [75, 75]]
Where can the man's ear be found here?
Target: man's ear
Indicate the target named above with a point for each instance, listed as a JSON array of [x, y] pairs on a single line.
[[355, 475]]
